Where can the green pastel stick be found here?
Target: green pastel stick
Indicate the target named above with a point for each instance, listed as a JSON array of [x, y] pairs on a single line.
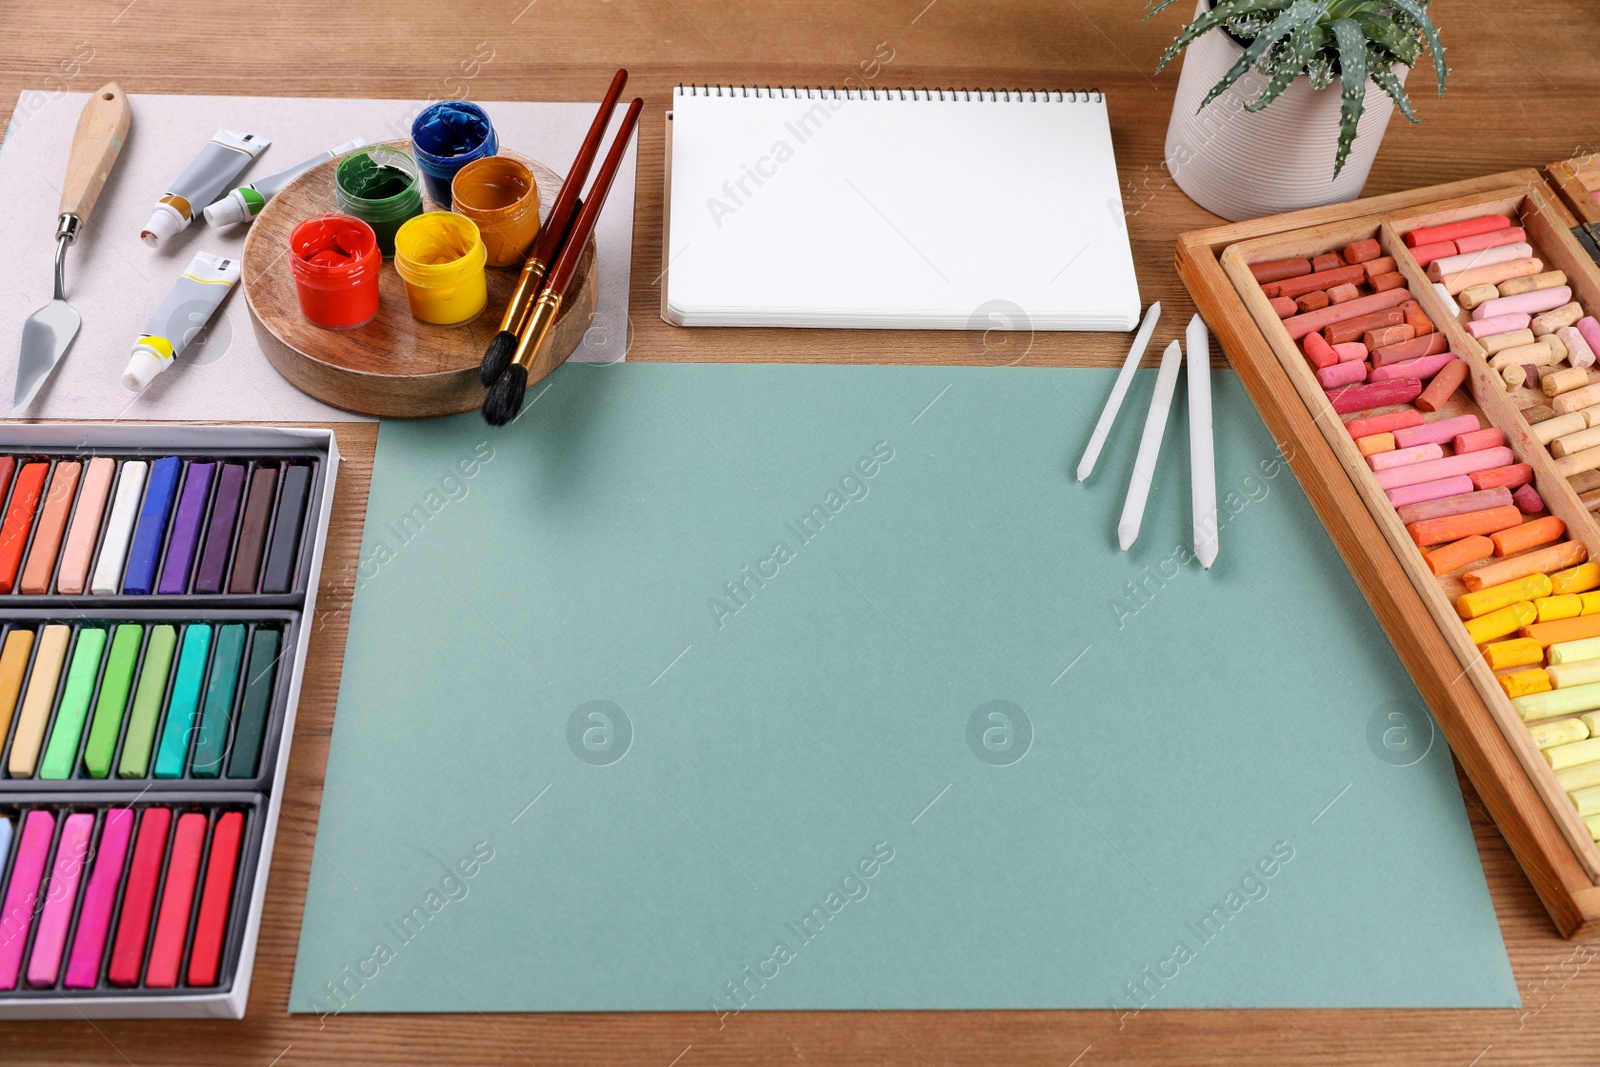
[[61, 754], [147, 703], [211, 743], [173, 752], [112, 703], [245, 758]]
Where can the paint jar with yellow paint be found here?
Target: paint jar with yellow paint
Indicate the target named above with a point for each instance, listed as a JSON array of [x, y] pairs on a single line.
[[440, 255], [501, 196]]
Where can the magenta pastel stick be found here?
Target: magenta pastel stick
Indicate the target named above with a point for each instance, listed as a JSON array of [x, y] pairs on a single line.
[[1445, 506], [1421, 367], [1341, 374], [1363, 397], [1382, 461], [72, 851], [1422, 491], [1350, 350], [1528, 500], [1481, 328], [22, 895], [1477, 440], [1523, 303], [99, 901], [1435, 432], [1412, 473]]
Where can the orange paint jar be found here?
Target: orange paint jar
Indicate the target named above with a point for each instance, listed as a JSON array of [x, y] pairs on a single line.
[[335, 262], [502, 197]]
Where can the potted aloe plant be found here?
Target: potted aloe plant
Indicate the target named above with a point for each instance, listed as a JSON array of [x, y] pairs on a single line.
[[1282, 103]]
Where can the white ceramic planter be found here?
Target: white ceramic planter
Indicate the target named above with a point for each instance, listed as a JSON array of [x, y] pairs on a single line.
[[1241, 165]]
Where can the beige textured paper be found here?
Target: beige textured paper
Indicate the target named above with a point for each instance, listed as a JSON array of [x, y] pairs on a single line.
[[115, 281]]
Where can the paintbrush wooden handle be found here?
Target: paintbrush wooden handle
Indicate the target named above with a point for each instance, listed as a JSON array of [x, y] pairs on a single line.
[[566, 264], [102, 128]]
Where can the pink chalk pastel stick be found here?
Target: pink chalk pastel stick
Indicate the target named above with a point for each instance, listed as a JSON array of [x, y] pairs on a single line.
[[1523, 303], [1416, 494], [1413, 473], [1363, 397], [1492, 239], [1439, 508], [1589, 329], [27, 871], [1382, 461], [44, 963], [1422, 367], [1528, 500], [1350, 350], [1341, 374], [1436, 432], [1481, 328], [99, 901]]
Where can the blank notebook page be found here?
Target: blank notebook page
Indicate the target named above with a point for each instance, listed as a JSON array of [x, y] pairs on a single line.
[[922, 210]]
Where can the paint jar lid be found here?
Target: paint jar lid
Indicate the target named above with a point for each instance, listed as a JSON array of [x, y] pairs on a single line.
[[164, 222], [142, 369]]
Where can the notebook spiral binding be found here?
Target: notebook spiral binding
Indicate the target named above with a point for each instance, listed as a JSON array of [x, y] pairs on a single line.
[[793, 92]]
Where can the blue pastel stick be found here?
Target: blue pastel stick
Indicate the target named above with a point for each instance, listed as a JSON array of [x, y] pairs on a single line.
[[173, 752], [152, 529], [5, 841]]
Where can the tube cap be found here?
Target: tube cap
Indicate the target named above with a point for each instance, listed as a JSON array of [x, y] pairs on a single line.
[[231, 209], [164, 222], [143, 368]]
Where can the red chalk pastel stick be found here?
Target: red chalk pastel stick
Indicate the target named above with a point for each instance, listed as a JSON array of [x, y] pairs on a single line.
[[1431, 344], [177, 900], [1319, 353], [1322, 279], [1421, 367], [139, 898], [1517, 474], [19, 520], [1276, 270], [1425, 254], [1301, 325], [1493, 239], [1361, 397], [210, 929], [1386, 423], [1454, 231], [1283, 307]]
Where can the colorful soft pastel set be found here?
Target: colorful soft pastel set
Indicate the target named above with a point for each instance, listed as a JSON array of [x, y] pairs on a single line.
[[150, 662], [1429, 342]]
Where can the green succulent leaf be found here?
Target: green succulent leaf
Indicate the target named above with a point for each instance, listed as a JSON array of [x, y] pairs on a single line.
[[1298, 13], [1385, 33], [1297, 53], [1352, 84], [1386, 79], [1430, 33], [1218, 14]]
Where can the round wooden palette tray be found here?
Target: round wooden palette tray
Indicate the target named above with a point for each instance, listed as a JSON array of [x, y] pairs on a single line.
[[394, 366]]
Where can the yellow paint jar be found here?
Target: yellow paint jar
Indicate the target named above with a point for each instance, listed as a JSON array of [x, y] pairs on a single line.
[[502, 197], [440, 255]]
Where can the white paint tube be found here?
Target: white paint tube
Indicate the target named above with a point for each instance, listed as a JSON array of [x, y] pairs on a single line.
[[222, 159], [182, 315], [246, 202]]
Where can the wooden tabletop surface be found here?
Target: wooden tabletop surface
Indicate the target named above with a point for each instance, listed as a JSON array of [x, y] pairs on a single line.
[[1525, 90]]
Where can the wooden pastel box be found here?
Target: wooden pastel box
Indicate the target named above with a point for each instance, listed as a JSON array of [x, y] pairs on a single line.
[[1475, 713]]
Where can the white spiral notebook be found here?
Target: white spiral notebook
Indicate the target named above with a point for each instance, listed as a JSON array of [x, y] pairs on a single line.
[[894, 209]]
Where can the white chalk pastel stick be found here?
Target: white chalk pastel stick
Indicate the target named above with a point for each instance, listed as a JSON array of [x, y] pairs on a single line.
[[1119, 389], [119, 528], [1144, 467]]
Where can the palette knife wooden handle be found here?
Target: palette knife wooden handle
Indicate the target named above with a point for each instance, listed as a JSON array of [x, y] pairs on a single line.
[[102, 128]]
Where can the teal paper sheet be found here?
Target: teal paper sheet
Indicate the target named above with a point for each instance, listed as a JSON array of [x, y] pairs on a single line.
[[729, 687]]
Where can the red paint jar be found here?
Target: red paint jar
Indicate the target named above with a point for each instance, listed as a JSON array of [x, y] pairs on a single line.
[[335, 262]]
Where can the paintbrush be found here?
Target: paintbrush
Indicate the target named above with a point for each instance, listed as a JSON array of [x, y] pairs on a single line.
[[547, 246], [505, 396]]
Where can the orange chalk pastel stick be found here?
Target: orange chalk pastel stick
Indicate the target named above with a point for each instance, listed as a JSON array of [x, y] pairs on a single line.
[[1427, 532], [1511, 540], [1458, 554], [1539, 561]]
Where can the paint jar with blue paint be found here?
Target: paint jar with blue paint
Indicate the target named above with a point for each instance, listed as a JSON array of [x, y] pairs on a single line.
[[446, 137]]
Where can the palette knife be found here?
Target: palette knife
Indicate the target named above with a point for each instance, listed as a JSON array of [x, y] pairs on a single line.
[[102, 128]]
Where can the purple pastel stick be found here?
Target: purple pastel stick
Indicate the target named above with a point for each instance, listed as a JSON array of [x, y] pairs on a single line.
[[1527, 500], [219, 537], [186, 529]]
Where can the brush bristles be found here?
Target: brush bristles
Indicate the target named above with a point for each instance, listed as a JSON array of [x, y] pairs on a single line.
[[497, 357], [505, 396]]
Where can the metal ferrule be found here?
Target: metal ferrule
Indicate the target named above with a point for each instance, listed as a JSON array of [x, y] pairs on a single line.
[[533, 335], [533, 272], [67, 228]]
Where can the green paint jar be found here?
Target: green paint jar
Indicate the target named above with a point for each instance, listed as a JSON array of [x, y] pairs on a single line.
[[379, 185]]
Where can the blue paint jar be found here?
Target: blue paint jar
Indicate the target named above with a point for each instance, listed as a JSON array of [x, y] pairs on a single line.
[[446, 137]]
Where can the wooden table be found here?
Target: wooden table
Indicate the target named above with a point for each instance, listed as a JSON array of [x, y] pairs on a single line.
[[1525, 91]]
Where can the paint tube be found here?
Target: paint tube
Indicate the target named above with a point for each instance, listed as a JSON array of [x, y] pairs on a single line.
[[222, 159], [182, 315], [246, 202]]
